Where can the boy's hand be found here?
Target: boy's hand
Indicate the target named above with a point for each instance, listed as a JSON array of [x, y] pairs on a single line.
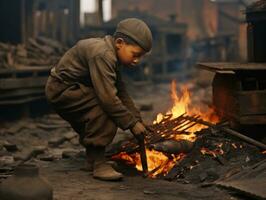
[[138, 130]]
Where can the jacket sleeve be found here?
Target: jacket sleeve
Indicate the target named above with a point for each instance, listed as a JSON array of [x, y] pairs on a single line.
[[103, 77], [125, 97]]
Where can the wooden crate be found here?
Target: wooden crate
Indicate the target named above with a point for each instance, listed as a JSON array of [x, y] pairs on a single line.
[[18, 86]]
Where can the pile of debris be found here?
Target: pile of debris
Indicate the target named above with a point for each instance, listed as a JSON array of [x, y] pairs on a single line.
[[37, 52], [258, 5], [217, 152], [48, 138], [215, 155]]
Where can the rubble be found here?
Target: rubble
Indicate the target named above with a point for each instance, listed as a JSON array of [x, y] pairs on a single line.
[[250, 182], [258, 5], [37, 52], [214, 154], [213, 157], [31, 139]]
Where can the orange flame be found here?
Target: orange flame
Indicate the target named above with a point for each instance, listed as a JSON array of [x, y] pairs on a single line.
[[158, 161], [183, 104]]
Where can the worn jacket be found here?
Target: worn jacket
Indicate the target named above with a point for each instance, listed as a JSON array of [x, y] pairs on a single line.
[[93, 62]]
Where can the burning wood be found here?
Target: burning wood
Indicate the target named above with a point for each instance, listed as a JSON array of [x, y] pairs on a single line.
[[168, 138], [177, 145], [173, 146]]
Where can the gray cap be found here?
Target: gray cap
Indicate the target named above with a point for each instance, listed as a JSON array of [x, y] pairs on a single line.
[[137, 30]]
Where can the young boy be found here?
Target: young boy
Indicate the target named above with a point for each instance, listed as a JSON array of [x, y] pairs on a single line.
[[85, 88]]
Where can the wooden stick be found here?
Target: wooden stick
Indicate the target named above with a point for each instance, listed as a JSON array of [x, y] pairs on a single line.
[[229, 131]]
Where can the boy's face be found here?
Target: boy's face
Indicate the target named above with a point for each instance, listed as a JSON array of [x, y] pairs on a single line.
[[128, 54]]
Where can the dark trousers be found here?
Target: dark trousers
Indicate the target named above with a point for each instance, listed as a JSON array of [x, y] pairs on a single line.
[[78, 104]]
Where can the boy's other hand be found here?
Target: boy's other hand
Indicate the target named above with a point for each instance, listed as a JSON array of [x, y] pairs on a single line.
[[138, 129]]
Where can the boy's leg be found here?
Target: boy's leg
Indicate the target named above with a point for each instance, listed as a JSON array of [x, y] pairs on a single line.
[[98, 133], [80, 107]]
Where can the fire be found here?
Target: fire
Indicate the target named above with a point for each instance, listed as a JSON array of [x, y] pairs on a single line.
[[183, 104], [158, 162]]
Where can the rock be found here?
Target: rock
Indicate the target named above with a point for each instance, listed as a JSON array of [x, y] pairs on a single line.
[[75, 141], [70, 135], [10, 147], [4, 152], [30, 153], [54, 142], [6, 160], [47, 157], [149, 192], [69, 154]]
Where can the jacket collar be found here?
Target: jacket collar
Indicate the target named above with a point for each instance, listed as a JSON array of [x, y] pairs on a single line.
[[111, 44]]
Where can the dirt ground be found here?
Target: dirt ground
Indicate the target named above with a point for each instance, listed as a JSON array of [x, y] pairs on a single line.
[[70, 182]]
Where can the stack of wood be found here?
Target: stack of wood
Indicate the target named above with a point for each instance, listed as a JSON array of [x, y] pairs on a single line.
[[37, 52], [258, 5]]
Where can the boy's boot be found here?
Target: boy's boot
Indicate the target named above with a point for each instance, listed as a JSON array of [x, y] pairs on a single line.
[[90, 161], [101, 168]]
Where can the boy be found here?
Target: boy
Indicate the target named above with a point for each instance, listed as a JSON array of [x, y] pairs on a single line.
[[85, 88]]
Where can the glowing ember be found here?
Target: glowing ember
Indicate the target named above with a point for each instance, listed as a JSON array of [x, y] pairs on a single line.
[[158, 162], [264, 152], [234, 145], [213, 153]]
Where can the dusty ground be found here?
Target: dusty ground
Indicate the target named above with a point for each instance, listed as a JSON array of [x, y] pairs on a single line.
[[70, 182]]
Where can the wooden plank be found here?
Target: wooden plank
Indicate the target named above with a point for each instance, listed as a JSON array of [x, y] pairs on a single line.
[[21, 101], [252, 119], [226, 66], [255, 101], [20, 92], [16, 83], [26, 69]]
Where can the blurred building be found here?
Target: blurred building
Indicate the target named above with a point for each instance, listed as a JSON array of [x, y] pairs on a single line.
[[56, 19], [220, 21]]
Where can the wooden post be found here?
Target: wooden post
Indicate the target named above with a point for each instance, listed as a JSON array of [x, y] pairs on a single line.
[[100, 11]]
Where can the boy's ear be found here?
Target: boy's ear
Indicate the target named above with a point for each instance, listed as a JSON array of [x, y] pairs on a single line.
[[119, 42]]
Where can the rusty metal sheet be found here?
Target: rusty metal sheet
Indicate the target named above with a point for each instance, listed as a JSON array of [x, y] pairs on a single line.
[[229, 67], [250, 182]]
